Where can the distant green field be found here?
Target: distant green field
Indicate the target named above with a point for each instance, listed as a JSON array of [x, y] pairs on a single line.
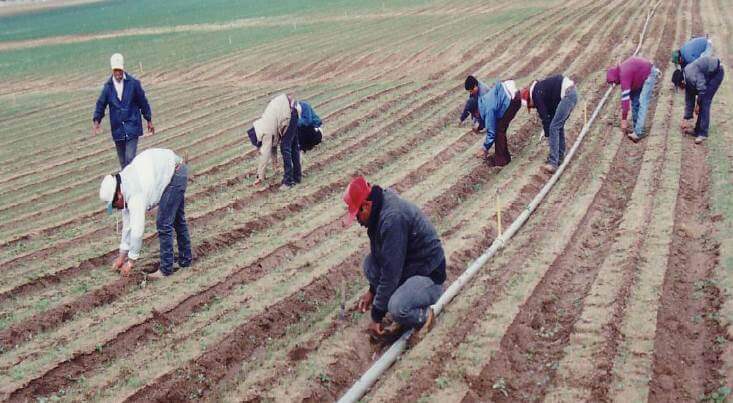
[[116, 15]]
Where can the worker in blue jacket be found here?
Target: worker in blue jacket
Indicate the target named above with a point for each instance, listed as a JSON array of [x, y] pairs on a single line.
[[497, 108], [692, 50], [126, 100], [310, 127]]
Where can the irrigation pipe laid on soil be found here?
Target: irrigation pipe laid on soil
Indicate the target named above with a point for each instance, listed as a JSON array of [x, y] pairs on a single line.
[[370, 377]]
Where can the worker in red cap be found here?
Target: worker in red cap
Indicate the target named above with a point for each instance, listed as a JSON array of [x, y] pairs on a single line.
[[406, 264]]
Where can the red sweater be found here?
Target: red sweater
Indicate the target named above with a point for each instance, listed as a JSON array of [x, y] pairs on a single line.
[[631, 74]]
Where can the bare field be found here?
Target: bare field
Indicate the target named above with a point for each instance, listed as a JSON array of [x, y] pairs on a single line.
[[618, 288]]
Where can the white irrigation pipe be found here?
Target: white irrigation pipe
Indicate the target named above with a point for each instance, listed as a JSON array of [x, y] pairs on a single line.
[[369, 378]]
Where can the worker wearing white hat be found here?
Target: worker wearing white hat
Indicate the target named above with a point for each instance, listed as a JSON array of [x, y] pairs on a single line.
[[127, 102], [155, 177]]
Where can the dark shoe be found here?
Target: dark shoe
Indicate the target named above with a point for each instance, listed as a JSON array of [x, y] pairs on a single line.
[[419, 333], [549, 168]]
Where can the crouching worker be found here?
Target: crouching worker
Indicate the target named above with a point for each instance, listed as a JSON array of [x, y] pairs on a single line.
[[155, 177], [406, 264], [497, 109], [637, 77], [278, 125], [310, 128]]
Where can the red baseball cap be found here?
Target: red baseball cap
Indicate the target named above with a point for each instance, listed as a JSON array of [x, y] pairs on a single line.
[[355, 195]]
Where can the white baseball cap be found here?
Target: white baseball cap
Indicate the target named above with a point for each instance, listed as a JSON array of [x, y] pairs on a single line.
[[117, 62], [107, 189]]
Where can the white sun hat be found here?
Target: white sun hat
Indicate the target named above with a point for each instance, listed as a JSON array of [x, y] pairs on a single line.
[[117, 62]]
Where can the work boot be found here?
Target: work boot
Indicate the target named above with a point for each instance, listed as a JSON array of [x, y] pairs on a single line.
[[634, 137], [419, 333], [699, 139], [549, 168]]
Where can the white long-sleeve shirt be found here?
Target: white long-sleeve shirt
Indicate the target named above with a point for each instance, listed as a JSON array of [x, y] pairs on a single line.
[[143, 183], [270, 129]]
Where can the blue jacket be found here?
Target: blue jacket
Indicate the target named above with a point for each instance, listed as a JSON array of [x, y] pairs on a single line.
[[403, 243], [124, 116], [492, 106], [308, 116], [694, 48]]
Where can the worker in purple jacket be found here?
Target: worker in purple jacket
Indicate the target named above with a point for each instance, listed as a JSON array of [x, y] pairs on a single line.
[[637, 77]]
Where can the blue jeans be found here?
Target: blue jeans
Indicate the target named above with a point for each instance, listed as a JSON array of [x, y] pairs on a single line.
[[172, 215], [409, 304], [126, 150], [706, 100], [640, 101], [557, 126], [290, 149]]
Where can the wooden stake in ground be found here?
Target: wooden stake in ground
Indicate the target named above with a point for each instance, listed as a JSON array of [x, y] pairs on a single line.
[[342, 307], [141, 67], [498, 214]]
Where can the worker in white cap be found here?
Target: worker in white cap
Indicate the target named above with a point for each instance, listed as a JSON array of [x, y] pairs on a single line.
[[156, 177], [127, 102]]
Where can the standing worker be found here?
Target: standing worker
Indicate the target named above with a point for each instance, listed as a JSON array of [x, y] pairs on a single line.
[[310, 128], [278, 125], [637, 77], [155, 177], [497, 109], [701, 81], [554, 98], [692, 50], [406, 264], [126, 99]]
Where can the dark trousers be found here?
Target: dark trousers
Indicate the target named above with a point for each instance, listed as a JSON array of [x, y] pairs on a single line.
[[290, 150], [172, 216], [126, 151], [706, 101], [501, 147]]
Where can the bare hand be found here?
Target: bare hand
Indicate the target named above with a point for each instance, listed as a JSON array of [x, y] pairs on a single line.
[[481, 153], [365, 302], [126, 268], [151, 128], [95, 128], [376, 328]]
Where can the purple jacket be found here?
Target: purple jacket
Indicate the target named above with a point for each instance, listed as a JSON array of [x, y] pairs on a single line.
[[631, 74]]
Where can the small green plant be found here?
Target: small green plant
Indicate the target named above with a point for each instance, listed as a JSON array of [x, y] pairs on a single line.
[[500, 385], [158, 328], [441, 382], [718, 396], [98, 348], [324, 378]]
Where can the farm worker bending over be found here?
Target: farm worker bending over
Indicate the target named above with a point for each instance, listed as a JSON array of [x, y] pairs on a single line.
[[637, 77], [475, 89], [701, 81], [278, 124], [310, 127], [155, 177], [406, 264], [554, 98], [497, 109], [126, 99], [692, 50]]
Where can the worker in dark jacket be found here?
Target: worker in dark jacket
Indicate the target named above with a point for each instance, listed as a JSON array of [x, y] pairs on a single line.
[[406, 264], [700, 82], [310, 127], [554, 98], [126, 99], [475, 90]]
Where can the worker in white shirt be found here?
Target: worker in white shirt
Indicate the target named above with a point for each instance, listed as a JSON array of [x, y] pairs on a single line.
[[278, 125], [126, 99], [155, 177]]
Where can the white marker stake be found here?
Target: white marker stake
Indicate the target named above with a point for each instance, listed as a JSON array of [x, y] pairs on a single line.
[[141, 67]]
